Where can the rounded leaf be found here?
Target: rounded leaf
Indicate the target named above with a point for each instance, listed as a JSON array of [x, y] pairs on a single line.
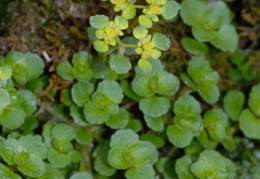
[[100, 46], [194, 47], [254, 99], [140, 32], [161, 41], [63, 131], [123, 137], [170, 9], [98, 21], [120, 64]]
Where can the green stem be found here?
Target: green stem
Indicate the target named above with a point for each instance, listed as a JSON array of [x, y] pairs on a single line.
[[85, 163], [118, 41], [46, 106], [130, 45], [110, 51], [141, 7]]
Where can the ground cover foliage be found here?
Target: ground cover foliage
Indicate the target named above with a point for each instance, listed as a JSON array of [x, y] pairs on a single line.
[[130, 89]]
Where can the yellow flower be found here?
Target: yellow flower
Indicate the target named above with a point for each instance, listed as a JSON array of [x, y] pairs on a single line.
[[155, 9]]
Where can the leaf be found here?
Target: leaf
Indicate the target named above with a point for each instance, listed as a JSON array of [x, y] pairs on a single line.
[[155, 140], [118, 120], [202, 34], [125, 85], [98, 21], [57, 159], [145, 66], [155, 123], [64, 70], [78, 115], [102, 166], [142, 172], [140, 32], [116, 159], [233, 104], [249, 124], [81, 175], [134, 125], [34, 145], [226, 38], [63, 131], [141, 86], [94, 115], [29, 102], [34, 167], [12, 119], [129, 12], [120, 64], [141, 153], [112, 89], [7, 173], [81, 92], [100, 46], [179, 137], [121, 22], [186, 79], [183, 167], [4, 98], [254, 99], [210, 94], [103, 102], [35, 64], [145, 21], [156, 68], [99, 68], [62, 145], [154, 106], [123, 137], [51, 172], [187, 104], [5, 72], [165, 83], [194, 47], [205, 140], [8, 149], [161, 41], [170, 9], [83, 137]]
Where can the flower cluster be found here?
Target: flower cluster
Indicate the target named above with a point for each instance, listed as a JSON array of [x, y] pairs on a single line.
[[126, 6]]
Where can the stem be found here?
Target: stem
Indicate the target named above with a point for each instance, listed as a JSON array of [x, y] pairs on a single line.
[[130, 45], [110, 51], [118, 41], [85, 163], [49, 109], [141, 7]]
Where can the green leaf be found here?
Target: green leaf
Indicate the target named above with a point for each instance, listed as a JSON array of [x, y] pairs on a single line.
[[155, 140], [81, 92], [187, 105], [194, 47], [29, 103], [205, 141], [141, 153], [233, 104], [249, 124], [103, 102], [179, 137], [7, 173], [35, 64], [170, 10], [94, 115], [83, 137], [5, 72], [183, 167], [81, 175], [120, 64], [155, 123], [191, 11], [63, 131], [161, 41], [116, 158], [112, 89], [145, 66], [121, 22], [98, 21], [34, 167], [123, 137], [254, 99], [135, 125], [100, 46], [226, 38], [118, 120], [190, 122], [210, 94], [141, 86], [102, 166], [156, 66], [99, 68], [75, 156], [202, 34], [165, 83], [78, 115], [15, 97], [140, 32], [62, 145], [8, 149], [4, 98], [34, 145], [51, 172], [64, 69], [154, 106], [129, 12], [145, 21], [142, 172], [12, 119], [186, 79], [125, 85], [57, 159]]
